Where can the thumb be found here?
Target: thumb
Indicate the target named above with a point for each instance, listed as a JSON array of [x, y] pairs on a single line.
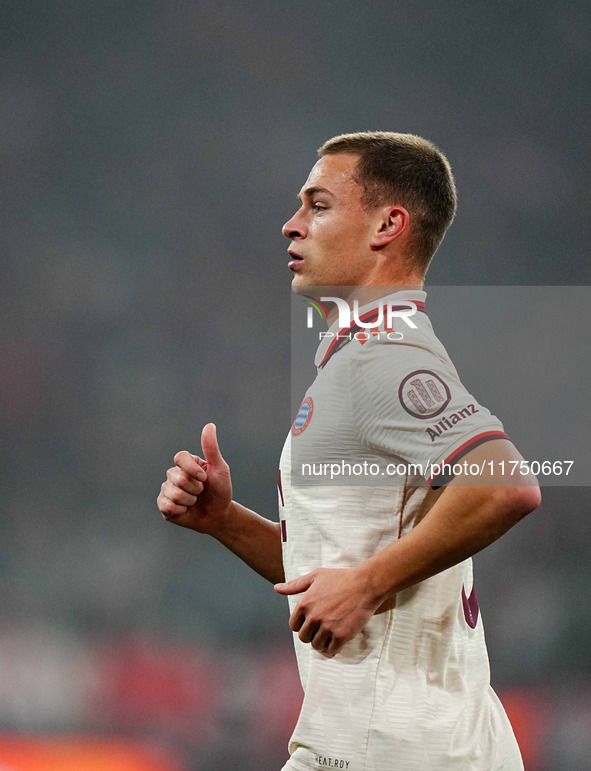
[[209, 445], [295, 586]]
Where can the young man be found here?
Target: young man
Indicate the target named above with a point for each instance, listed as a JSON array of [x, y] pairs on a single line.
[[388, 636]]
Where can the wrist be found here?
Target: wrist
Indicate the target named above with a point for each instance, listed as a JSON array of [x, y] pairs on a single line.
[[377, 585], [220, 525]]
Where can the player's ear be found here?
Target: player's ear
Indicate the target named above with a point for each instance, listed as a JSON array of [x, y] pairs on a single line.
[[393, 222]]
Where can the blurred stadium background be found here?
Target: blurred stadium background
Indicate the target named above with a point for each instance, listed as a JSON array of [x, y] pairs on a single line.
[[150, 153]]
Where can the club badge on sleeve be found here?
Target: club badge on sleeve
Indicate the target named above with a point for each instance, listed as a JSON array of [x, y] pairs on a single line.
[[303, 417]]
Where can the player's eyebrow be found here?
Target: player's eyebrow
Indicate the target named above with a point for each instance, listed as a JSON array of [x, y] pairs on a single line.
[[309, 192]]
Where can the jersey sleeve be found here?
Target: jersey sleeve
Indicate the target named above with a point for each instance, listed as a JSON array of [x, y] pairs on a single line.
[[409, 403]]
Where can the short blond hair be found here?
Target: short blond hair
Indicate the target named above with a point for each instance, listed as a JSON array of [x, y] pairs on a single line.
[[408, 170]]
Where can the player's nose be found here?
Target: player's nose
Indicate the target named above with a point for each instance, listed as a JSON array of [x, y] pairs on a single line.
[[294, 227]]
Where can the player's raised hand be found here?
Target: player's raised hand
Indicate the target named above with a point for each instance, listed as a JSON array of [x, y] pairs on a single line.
[[197, 492]]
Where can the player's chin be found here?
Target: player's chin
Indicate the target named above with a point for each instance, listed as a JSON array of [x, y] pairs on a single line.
[[300, 284]]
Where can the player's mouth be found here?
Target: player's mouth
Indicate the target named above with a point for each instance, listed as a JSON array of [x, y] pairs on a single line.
[[295, 261]]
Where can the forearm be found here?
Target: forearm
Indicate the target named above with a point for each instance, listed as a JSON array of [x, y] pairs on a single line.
[[336, 603], [256, 540], [463, 521]]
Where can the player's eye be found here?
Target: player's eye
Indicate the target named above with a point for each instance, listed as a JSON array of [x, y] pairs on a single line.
[[318, 207]]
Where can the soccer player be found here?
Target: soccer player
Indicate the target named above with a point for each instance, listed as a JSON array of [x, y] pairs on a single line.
[[388, 635]]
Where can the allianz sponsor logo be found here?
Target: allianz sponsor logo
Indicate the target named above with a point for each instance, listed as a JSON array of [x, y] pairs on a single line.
[[449, 421]]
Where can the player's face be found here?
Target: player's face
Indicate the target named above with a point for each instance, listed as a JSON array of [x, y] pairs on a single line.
[[331, 232]]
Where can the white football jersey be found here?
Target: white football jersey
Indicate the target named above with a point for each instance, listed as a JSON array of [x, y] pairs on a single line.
[[411, 691]]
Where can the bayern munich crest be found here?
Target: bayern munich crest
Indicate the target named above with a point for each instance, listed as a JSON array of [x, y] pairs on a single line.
[[423, 394], [303, 417]]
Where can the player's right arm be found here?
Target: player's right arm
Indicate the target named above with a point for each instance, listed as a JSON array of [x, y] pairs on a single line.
[[197, 494]]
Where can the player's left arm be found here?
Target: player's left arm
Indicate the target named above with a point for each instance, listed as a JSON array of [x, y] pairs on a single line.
[[470, 513]]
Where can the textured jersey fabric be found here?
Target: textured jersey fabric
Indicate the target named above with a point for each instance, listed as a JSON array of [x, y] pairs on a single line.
[[411, 691]]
